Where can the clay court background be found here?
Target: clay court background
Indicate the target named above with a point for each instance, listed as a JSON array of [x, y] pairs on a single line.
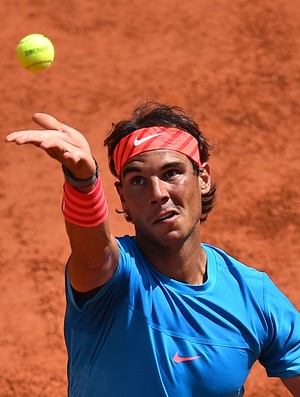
[[233, 65]]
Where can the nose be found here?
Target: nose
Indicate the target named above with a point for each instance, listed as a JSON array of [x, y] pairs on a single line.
[[159, 192]]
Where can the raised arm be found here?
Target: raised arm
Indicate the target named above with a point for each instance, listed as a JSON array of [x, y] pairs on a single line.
[[94, 252]]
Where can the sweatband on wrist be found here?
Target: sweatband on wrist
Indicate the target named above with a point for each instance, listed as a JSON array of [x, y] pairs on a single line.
[[85, 209], [155, 138]]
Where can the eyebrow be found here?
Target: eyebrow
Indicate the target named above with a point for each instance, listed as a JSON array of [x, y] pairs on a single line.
[[134, 168], [130, 169]]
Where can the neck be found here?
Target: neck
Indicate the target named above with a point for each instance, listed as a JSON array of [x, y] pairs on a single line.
[[183, 262]]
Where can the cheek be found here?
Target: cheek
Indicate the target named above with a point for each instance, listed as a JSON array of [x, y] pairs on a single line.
[[189, 190], [134, 200], [192, 200], [135, 205]]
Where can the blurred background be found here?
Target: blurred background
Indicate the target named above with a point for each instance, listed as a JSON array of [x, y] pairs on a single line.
[[234, 66]]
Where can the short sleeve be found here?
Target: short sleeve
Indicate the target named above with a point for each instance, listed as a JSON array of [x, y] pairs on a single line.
[[281, 351]]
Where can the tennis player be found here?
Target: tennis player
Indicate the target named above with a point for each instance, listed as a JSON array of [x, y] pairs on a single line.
[[159, 313]]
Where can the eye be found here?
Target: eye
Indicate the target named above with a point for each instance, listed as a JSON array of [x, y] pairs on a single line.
[[171, 173], [137, 181]]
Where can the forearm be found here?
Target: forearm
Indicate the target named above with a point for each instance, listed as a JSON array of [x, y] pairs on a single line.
[[94, 252], [94, 255]]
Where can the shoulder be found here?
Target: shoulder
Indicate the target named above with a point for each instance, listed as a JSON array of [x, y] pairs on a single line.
[[254, 285], [132, 261], [247, 274], [126, 243], [128, 249], [228, 263]]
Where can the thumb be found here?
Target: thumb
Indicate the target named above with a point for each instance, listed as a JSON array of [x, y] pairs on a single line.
[[50, 122]]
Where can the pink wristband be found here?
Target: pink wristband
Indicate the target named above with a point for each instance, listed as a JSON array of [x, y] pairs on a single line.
[[85, 209]]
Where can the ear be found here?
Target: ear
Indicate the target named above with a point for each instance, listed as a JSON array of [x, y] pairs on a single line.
[[119, 189], [205, 178]]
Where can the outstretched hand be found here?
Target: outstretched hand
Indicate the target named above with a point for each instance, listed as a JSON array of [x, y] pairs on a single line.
[[59, 141]]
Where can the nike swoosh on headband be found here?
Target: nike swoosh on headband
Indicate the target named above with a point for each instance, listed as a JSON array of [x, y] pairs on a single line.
[[174, 139], [138, 142]]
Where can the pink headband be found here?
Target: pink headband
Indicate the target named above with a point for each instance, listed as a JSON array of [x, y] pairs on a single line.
[[155, 138]]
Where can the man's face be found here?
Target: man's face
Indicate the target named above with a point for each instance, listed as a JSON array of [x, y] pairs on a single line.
[[163, 196]]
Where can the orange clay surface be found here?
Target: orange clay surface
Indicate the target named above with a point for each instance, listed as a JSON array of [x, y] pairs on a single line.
[[234, 65]]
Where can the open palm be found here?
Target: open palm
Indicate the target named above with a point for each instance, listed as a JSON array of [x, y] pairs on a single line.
[[59, 141]]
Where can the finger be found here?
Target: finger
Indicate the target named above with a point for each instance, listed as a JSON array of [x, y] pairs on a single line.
[[52, 142], [32, 136], [46, 121], [51, 123], [10, 137], [21, 137]]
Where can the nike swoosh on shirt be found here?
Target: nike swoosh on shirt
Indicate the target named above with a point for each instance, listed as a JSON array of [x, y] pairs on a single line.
[[138, 142], [179, 359]]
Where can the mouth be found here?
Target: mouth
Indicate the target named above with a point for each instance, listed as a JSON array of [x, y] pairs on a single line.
[[167, 216]]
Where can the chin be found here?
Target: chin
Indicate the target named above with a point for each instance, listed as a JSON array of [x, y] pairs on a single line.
[[172, 238]]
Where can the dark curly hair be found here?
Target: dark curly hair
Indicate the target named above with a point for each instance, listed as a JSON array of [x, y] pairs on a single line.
[[151, 114]]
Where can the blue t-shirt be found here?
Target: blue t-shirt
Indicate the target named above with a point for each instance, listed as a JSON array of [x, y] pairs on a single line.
[[144, 334]]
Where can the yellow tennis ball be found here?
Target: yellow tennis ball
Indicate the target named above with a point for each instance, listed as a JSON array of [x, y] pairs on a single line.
[[35, 52]]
